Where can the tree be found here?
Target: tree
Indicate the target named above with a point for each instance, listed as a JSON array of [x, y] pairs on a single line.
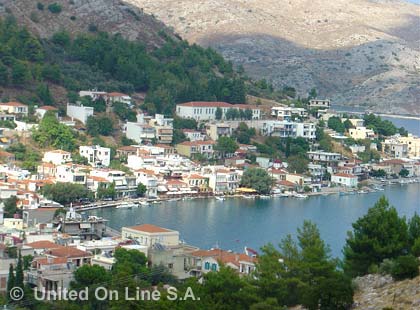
[[106, 190], [184, 123], [335, 123], [297, 164], [43, 93], [10, 281], [178, 136], [380, 234], [257, 179], [404, 173], [348, 124], [99, 125], [244, 134], [124, 112], [303, 273], [54, 8], [20, 73], [219, 113], [66, 193], [380, 173], [88, 275], [51, 133], [141, 190], [226, 145], [19, 272], [10, 206], [4, 75]]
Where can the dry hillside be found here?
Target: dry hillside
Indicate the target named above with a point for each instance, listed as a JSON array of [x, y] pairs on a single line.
[[359, 52]]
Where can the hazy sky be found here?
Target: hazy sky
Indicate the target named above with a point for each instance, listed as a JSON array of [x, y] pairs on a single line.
[[414, 1]]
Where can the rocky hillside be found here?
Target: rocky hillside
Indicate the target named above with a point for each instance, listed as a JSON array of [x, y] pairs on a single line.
[[78, 16], [376, 292], [360, 52]]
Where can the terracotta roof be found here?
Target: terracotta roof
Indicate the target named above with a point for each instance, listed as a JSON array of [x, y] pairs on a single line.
[[393, 162], [116, 94], [43, 244], [97, 179], [127, 148], [196, 176], [224, 256], [48, 108], [215, 104], [345, 175], [286, 183], [68, 252], [51, 260], [13, 104], [150, 228], [59, 152]]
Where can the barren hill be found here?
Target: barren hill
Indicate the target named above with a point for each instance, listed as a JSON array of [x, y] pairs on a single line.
[[78, 16], [359, 52]]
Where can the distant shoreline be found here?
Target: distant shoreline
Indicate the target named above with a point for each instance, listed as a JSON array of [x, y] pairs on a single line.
[[401, 116]]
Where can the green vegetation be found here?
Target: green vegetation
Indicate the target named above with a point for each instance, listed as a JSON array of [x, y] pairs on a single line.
[[10, 208], [141, 190], [55, 8], [243, 133], [124, 112], [99, 125], [334, 123], [382, 127], [257, 179], [106, 190], [66, 193], [29, 157], [225, 146], [382, 240], [51, 133]]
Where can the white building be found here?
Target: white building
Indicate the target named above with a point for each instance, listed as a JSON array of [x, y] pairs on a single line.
[[57, 157], [147, 178], [325, 157], [118, 97], [14, 108], [41, 111], [222, 180], [96, 155], [79, 112], [348, 180], [150, 235], [361, 133], [205, 111], [139, 132], [286, 128], [318, 103], [164, 128], [71, 174], [93, 94], [283, 113], [193, 135]]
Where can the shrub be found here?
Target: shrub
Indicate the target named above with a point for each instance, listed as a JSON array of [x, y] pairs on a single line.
[[405, 267], [40, 6], [386, 266], [55, 8]]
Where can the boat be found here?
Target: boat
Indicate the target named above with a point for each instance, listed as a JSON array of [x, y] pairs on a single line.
[[300, 196], [156, 202], [144, 203], [362, 192], [248, 197], [174, 199], [264, 197], [219, 198], [126, 205]]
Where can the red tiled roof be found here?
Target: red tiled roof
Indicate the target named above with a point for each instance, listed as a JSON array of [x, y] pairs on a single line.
[[224, 256], [43, 244], [13, 104], [150, 228], [48, 108], [68, 252], [215, 104], [51, 260], [116, 94], [345, 175]]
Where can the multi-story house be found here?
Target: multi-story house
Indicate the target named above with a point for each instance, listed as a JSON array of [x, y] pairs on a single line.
[[197, 182], [192, 148], [286, 113], [193, 135], [206, 111], [14, 108], [71, 173], [149, 235], [223, 180], [320, 103], [214, 131], [96, 155], [57, 157], [345, 179], [396, 148], [361, 133], [147, 178]]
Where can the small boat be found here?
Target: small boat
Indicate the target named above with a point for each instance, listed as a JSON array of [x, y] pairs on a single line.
[[248, 197], [144, 203], [362, 192], [300, 196], [219, 198], [126, 205], [174, 199], [264, 197], [155, 202]]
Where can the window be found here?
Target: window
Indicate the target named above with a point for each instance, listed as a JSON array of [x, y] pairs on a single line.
[[207, 266], [214, 267]]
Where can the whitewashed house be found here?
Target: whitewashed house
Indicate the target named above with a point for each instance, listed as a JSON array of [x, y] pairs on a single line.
[[96, 155], [79, 112], [57, 157], [348, 180]]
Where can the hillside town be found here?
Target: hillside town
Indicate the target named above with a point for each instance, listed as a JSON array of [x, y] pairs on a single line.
[[218, 152]]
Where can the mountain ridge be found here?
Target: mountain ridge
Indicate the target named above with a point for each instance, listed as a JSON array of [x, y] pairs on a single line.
[[308, 44]]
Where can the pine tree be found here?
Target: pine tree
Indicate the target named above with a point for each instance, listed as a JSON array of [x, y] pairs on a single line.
[[19, 272], [10, 280]]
